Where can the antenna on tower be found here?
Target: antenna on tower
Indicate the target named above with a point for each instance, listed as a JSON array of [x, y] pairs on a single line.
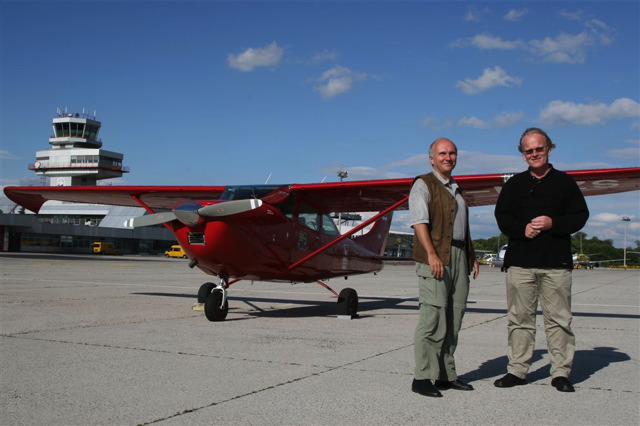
[[342, 174]]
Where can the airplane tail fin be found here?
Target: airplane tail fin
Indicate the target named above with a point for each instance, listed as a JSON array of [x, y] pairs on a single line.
[[376, 239]]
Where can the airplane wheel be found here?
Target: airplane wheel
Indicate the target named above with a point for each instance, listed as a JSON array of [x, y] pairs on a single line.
[[348, 302], [205, 290], [212, 308]]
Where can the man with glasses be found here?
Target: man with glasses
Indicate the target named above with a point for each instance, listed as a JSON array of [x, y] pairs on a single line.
[[538, 210]]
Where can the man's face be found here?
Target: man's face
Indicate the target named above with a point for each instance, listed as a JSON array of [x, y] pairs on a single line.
[[535, 150], [443, 156]]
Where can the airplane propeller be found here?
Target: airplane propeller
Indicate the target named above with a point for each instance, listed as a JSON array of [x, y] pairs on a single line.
[[192, 213]]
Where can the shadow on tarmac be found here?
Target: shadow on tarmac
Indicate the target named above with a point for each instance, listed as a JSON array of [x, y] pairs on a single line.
[[366, 304], [586, 363]]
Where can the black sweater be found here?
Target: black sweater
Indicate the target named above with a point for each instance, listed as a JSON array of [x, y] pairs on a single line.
[[525, 197]]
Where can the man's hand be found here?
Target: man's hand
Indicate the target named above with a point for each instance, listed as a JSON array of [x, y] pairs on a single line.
[[437, 268], [541, 223], [476, 269], [530, 231]]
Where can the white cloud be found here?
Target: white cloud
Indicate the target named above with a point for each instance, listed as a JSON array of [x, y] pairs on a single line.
[[474, 14], [578, 15], [324, 56], [474, 122], [490, 78], [507, 119], [563, 48], [488, 42], [515, 15], [626, 153], [337, 81], [502, 120], [268, 56], [6, 155], [606, 218], [572, 48], [559, 113], [415, 162]]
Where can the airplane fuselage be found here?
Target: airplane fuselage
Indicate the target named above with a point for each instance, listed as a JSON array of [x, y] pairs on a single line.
[[266, 249]]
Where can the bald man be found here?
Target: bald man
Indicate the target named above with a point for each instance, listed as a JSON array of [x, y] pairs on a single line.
[[444, 257]]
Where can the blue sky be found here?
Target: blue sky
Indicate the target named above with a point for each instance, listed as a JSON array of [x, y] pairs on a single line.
[[230, 92]]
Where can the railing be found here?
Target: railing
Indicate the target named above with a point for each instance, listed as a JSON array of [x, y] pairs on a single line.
[[49, 165]]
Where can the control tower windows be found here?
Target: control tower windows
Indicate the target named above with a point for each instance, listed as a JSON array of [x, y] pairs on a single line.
[[76, 130]]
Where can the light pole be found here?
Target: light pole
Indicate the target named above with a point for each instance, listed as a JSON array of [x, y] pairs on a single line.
[[625, 219], [342, 174]]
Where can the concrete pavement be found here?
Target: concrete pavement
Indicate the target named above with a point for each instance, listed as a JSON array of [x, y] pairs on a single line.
[[113, 340]]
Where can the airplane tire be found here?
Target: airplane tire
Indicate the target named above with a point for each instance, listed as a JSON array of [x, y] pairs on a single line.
[[348, 302], [212, 309], [204, 291]]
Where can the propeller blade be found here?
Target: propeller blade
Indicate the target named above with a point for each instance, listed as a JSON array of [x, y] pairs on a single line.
[[150, 219], [228, 208]]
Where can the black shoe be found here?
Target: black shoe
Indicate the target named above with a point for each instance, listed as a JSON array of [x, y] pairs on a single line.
[[425, 388], [562, 384], [509, 381], [456, 384]]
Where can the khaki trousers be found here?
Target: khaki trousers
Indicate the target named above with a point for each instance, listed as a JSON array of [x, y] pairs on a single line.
[[442, 306], [525, 286]]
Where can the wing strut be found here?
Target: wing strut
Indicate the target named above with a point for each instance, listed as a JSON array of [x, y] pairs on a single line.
[[348, 234], [149, 209]]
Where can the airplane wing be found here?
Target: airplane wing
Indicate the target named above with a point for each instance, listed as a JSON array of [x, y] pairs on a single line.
[[155, 197], [357, 196], [478, 190]]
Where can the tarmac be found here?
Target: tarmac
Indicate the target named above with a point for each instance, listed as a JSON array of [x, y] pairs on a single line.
[[88, 340]]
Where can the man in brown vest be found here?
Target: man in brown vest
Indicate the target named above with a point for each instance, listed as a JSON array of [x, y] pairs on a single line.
[[445, 257]]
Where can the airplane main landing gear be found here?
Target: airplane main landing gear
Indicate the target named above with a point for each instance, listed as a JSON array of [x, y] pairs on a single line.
[[348, 303]]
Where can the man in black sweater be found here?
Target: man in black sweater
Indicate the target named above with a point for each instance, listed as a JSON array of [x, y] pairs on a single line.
[[538, 210]]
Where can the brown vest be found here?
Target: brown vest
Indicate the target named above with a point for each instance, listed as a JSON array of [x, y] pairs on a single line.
[[442, 212]]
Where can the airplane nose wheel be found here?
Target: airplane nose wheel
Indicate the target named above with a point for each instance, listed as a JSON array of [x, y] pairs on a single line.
[[216, 306]]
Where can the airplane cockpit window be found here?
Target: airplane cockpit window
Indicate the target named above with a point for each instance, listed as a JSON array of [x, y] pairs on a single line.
[[245, 192]]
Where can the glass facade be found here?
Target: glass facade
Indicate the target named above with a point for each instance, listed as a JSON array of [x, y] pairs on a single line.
[[76, 130]]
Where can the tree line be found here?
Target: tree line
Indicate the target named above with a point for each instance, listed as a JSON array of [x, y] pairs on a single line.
[[594, 248]]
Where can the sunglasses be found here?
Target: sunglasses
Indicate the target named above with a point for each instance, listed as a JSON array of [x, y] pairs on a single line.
[[538, 150]]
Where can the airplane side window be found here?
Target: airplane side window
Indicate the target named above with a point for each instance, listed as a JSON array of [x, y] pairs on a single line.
[[310, 220], [329, 226]]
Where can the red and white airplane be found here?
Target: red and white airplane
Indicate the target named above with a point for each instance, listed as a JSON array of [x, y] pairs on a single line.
[[284, 232]]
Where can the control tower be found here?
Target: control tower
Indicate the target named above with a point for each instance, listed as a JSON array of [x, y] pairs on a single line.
[[76, 157]]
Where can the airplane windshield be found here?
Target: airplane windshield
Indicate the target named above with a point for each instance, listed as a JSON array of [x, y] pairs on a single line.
[[242, 192]]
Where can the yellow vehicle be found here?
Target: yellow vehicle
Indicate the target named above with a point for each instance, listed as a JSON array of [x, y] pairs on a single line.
[[103, 247], [175, 251]]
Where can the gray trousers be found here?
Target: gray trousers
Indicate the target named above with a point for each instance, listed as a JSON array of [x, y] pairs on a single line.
[[442, 306], [553, 288]]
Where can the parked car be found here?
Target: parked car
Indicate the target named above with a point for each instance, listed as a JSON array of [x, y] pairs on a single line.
[[499, 261], [176, 251]]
